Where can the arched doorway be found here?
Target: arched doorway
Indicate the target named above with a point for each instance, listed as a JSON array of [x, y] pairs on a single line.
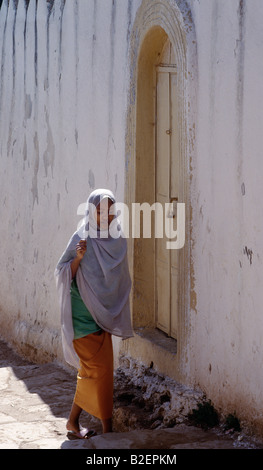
[[156, 269], [157, 162]]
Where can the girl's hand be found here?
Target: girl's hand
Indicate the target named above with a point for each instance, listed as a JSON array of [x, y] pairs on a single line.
[[81, 249]]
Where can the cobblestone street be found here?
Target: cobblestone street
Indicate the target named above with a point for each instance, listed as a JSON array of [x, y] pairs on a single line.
[[36, 400]]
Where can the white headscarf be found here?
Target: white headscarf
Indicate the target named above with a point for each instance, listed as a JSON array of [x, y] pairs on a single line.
[[103, 278]]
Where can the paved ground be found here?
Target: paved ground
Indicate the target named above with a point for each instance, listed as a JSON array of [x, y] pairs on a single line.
[[35, 403]]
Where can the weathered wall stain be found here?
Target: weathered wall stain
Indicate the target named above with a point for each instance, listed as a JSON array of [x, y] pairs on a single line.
[[34, 188], [28, 106], [3, 19], [91, 179], [49, 154], [240, 56], [249, 253], [111, 103]]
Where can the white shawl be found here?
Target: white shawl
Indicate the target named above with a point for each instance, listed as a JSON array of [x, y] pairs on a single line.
[[103, 280]]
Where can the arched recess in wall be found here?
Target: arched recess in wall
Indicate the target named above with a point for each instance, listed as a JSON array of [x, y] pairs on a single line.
[[159, 72]]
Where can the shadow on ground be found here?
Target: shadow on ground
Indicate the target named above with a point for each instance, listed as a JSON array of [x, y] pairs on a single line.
[[36, 401]]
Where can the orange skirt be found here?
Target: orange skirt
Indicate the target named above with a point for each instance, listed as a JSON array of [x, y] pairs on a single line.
[[94, 391]]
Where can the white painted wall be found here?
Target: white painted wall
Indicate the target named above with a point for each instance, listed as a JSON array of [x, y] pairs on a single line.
[[62, 133], [227, 326], [64, 83]]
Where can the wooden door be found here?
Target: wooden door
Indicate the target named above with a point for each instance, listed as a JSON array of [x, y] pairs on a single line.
[[167, 192]]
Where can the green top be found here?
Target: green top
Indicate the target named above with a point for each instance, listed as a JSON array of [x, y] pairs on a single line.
[[83, 323]]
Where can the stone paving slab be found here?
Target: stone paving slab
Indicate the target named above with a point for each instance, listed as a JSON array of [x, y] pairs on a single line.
[[179, 437], [35, 401]]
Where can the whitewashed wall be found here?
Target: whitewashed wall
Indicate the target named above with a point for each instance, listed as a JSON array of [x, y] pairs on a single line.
[[64, 85], [227, 323], [62, 133]]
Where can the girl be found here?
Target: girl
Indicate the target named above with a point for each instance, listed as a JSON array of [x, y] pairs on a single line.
[[93, 284]]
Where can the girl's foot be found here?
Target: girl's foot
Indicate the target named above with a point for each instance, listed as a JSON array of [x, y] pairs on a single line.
[[71, 426], [78, 432]]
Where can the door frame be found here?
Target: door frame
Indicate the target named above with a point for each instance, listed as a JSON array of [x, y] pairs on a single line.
[[155, 21], [143, 297]]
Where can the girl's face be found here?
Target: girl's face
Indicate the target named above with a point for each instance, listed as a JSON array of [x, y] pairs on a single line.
[[103, 215]]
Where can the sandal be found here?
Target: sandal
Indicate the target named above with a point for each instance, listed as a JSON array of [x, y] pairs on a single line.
[[84, 433]]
